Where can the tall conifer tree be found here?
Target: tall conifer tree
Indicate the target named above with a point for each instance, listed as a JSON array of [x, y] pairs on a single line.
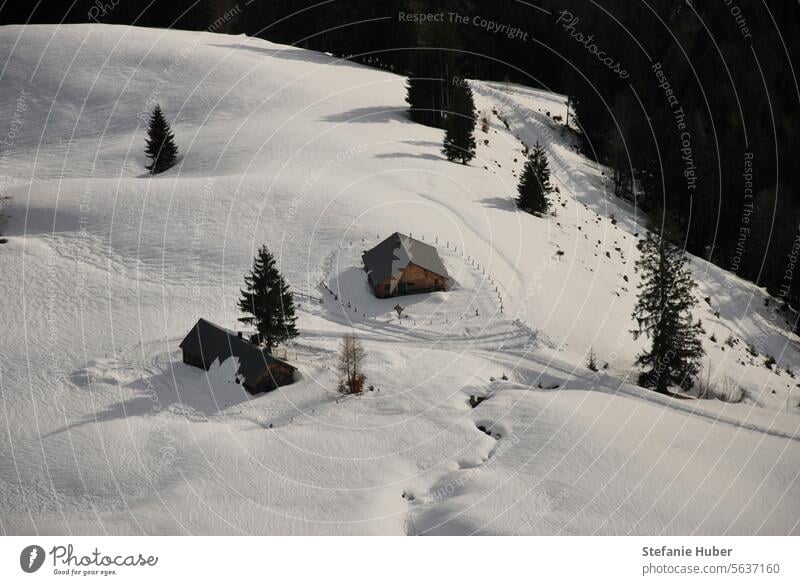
[[433, 65], [459, 138], [424, 93], [268, 302], [534, 183], [161, 148], [663, 313]]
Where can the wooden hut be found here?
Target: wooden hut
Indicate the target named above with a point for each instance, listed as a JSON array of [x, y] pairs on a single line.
[[258, 370], [401, 265]]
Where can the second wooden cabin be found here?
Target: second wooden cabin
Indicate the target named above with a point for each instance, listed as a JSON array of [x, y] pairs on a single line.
[[401, 265]]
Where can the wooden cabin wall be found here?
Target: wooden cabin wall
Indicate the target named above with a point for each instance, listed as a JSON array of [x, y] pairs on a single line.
[[417, 278]]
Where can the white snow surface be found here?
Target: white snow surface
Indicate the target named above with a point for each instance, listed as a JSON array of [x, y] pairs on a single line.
[[105, 430]]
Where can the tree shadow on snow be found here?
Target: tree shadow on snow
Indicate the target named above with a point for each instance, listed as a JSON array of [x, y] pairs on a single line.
[[372, 114], [409, 155], [503, 203]]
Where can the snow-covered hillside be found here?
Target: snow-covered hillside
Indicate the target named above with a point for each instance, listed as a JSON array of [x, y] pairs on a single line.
[[105, 430]]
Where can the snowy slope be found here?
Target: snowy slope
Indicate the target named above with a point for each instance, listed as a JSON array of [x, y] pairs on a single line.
[[105, 430]]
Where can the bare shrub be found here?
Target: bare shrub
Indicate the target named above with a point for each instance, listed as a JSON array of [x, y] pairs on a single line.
[[705, 388], [726, 391], [729, 391], [351, 359]]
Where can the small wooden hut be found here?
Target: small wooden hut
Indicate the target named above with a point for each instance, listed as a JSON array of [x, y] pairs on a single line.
[[401, 265]]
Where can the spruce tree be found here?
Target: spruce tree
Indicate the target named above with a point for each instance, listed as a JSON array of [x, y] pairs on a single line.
[[663, 313], [432, 65], [424, 93], [459, 138], [534, 183], [160, 149], [591, 360], [420, 105], [268, 302]]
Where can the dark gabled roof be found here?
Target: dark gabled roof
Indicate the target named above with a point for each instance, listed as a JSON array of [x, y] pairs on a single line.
[[392, 255], [211, 342]]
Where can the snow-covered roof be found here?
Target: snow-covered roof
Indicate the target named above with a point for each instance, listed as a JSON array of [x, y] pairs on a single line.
[[392, 255], [211, 342]]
